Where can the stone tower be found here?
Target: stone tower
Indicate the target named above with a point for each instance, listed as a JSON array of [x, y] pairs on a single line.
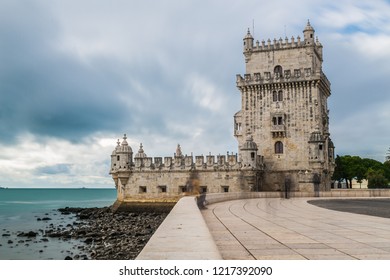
[[284, 110]]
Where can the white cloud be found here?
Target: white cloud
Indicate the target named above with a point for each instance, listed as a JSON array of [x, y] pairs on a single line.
[[205, 93], [56, 162], [364, 132]]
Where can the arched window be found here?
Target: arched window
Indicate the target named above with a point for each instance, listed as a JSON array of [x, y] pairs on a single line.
[[275, 96], [278, 147], [278, 71], [280, 95]]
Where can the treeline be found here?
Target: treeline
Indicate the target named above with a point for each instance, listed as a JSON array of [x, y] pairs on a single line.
[[354, 167]]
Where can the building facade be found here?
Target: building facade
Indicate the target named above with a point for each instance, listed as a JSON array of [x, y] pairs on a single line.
[[282, 131], [284, 96]]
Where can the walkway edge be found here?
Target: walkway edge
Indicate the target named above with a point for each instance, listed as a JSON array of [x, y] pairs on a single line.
[[183, 235]]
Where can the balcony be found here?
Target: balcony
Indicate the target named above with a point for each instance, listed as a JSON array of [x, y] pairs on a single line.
[[278, 131]]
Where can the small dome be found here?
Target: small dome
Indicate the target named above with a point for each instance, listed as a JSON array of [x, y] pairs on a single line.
[[124, 147], [124, 142], [248, 35], [140, 153], [249, 144], [308, 27]]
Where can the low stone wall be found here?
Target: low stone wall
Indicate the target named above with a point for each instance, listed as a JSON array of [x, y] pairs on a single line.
[[220, 197], [183, 235], [357, 193]]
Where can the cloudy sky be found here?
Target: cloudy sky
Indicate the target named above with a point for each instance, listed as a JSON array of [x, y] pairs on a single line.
[[76, 75]]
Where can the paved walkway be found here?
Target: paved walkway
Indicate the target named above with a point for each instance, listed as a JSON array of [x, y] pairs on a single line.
[[282, 229]]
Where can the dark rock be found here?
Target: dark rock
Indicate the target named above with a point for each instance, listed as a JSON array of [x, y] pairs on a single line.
[[10, 242], [28, 234], [107, 235], [89, 240], [46, 219], [6, 234], [54, 234], [68, 258]]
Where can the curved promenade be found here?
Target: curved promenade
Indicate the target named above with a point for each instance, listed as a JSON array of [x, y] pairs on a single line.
[[243, 227], [282, 229]]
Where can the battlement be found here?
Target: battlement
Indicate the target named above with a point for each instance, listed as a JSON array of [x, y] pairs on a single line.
[[122, 161], [283, 44], [294, 75], [185, 163]]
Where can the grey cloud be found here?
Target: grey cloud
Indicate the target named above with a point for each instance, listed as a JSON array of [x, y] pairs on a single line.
[[140, 87], [48, 92], [62, 168]]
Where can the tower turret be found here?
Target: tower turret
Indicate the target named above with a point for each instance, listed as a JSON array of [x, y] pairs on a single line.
[[114, 158], [248, 41], [248, 153], [248, 45], [308, 34], [124, 154], [316, 146]]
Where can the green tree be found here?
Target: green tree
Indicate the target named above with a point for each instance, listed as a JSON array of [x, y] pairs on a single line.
[[353, 167], [339, 172], [376, 178], [386, 169]]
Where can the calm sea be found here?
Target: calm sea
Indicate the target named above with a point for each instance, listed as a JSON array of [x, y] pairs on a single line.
[[21, 209]]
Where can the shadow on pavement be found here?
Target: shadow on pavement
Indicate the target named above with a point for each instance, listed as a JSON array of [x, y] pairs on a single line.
[[374, 207]]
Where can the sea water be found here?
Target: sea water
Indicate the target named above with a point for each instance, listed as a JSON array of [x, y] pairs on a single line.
[[22, 210]]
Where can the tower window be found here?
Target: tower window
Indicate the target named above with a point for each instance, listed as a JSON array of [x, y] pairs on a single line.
[[162, 189], [118, 158], [252, 155], [277, 96], [142, 189], [278, 70], [279, 147], [277, 120]]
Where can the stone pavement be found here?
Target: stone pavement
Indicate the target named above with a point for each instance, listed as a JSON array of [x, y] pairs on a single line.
[[283, 229]]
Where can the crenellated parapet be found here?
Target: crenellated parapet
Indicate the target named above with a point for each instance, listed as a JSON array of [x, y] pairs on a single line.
[[288, 76], [178, 162], [307, 41], [286, 43]]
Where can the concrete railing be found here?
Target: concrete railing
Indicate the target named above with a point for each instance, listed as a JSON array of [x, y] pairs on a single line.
[[183, 235]]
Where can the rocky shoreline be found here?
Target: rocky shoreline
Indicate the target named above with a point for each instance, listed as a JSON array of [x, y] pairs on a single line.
[[102, 234]]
